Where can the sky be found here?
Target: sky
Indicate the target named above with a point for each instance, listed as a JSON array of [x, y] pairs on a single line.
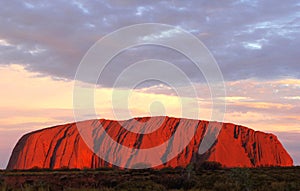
[[255, 43]]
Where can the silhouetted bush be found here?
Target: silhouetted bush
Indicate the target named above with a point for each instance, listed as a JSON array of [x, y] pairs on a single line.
[[210, 165], [242, 179], [171, 181], [140, 186], [167, 170], [35, 169], [105, 169], [226, 186], [63, 168]]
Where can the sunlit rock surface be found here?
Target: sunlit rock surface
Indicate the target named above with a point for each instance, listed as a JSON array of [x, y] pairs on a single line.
[[62, 146]]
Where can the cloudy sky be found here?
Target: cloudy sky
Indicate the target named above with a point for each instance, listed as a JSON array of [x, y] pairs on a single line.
[[255, 43]]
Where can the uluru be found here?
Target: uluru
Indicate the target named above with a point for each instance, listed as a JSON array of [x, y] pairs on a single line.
[[62, 146]]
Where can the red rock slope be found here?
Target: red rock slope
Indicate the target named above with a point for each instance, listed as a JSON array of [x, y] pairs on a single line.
[[62, 146]]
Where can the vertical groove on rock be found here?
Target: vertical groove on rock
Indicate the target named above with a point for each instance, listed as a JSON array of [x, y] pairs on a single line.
[[169, 147], [74, 151], [35, 147], [54, 155], [49, 154]]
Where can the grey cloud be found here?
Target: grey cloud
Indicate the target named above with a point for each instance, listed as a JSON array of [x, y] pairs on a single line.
[[51, 37]]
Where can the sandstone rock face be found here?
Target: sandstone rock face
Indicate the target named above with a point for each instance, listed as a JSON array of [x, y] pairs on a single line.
[[62, 146]]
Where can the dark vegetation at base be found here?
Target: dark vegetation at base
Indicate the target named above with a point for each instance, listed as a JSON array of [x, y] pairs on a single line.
[[208, 177]]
